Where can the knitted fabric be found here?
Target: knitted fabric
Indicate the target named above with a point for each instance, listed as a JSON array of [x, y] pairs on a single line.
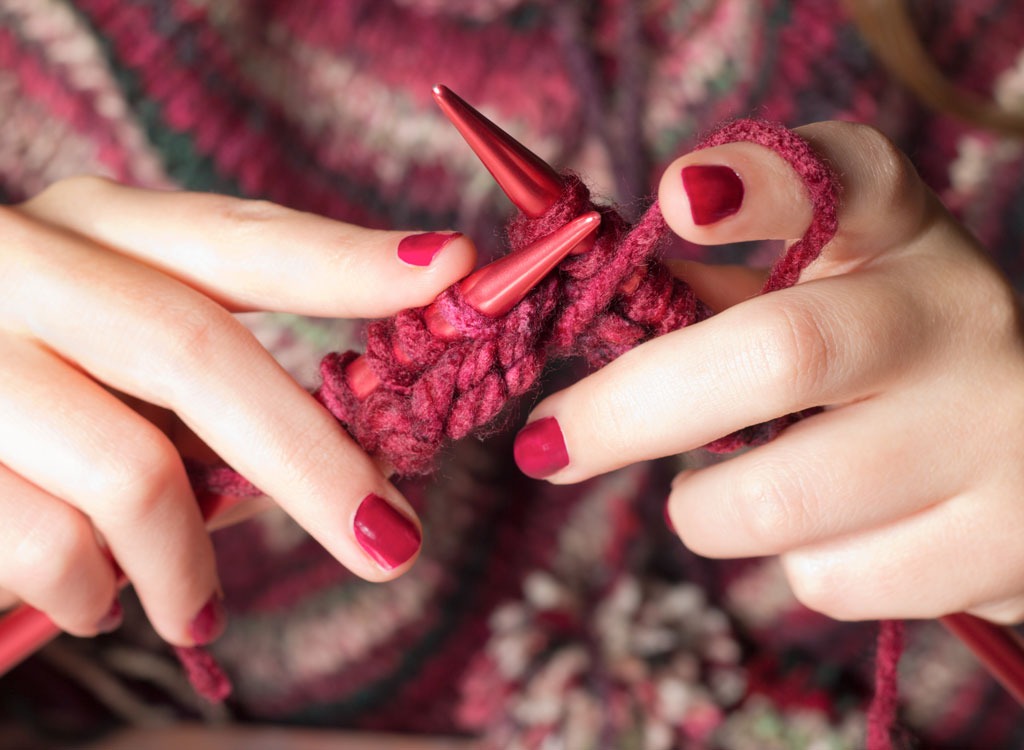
[[326, 107], [600, 304]]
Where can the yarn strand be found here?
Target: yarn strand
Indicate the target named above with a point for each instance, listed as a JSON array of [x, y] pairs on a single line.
[[597, 305]]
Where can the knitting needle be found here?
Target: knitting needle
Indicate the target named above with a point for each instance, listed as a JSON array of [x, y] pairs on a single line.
[[528, 181], [534, 187], [493, 290], [24, 630], [999, 648]]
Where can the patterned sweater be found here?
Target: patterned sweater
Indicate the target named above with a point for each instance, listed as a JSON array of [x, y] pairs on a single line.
[[535, 612]]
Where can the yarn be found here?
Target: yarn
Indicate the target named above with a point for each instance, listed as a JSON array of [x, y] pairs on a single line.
[[882, 712], [598, 305], [205, 675]]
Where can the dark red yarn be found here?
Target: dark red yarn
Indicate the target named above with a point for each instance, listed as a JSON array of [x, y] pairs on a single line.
[[882, 712], [598, 305], [204, 673]]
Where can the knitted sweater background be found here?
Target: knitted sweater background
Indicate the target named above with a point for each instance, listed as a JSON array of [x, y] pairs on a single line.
[[531, 604]]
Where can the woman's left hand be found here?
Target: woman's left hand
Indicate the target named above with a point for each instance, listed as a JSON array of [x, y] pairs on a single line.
[[903, 497]]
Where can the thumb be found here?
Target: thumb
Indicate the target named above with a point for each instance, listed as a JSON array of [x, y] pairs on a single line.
[[741, 191]]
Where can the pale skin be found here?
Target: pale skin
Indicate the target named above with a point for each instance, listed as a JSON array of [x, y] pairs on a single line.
[[901, 500], [105, 287]]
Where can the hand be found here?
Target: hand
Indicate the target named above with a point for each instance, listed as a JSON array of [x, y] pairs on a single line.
[[902, 498], [111, 295]]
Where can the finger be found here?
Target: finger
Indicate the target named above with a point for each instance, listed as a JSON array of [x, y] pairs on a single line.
[[256, 255], [77, 442], [1008, 611], [50, 558], [824, 477], [743, 191], [719, 287], [948, 558], [8, 599], [824, 342], [151, 337]]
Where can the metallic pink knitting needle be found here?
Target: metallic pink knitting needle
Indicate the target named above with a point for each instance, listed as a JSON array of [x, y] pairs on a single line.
[[492, 290], [533, 186], [529, 182], [999, 648], [24, 630]]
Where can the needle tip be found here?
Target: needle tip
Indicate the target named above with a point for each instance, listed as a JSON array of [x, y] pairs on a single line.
[[528, 181]]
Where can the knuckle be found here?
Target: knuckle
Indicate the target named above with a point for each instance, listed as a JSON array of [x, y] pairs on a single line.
[[612, 425], [820, 587], [132, 481], [307, 457], [774, 510], [189, 333], [893, 181], [48, 555], [794, 351], [242, 217]]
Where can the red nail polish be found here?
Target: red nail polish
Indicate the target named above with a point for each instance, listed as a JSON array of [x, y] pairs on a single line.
[[715, 192], [384, 533], [209, 622], [421, 249], [539, 448], [668, 519], [113, 619]]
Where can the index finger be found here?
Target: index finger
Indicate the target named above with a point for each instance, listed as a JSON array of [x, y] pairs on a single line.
[[823, 342], [256, 255]]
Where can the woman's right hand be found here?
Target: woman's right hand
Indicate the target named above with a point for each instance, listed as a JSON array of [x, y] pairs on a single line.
[[112, 295]]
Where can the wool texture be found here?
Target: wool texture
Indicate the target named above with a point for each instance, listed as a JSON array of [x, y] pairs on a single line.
[[598, 305], [326, 108]]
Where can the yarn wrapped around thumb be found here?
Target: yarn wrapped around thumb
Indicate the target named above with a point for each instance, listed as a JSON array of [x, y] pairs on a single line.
[[596, 305]]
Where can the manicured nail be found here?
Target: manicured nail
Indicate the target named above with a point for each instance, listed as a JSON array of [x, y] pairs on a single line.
[[421, 249], [113, 619], [387, 535], [715, 192], [539, 448], [209, 622], [668, 519]]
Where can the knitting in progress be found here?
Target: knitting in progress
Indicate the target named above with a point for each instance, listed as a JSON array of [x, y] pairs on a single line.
[[561, 613], [598, 305]]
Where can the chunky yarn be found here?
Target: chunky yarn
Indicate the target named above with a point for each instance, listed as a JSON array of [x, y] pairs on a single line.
[[598, 305]]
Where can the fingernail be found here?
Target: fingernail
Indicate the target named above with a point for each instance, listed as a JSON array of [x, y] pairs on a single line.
[[209, 622], [384, 533], [539, 448], [421, 249], [715, 192], [668, 519], [113, 619]]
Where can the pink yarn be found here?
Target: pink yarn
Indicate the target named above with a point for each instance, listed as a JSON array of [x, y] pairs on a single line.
[[598, 305], [204, 673], [882, 712], [439, 390]]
